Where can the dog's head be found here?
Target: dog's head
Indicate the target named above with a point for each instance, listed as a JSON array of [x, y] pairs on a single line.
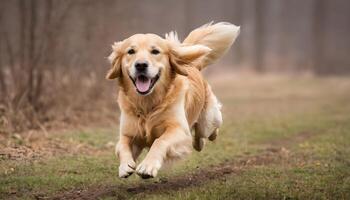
[[146, 61]]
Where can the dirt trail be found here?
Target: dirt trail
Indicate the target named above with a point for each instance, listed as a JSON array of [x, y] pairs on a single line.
[[276, 151]]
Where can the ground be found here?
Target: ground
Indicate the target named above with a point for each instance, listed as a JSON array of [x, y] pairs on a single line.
[[283, 137]]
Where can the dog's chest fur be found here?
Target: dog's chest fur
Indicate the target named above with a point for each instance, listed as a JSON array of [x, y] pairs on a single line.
[[180, 106]]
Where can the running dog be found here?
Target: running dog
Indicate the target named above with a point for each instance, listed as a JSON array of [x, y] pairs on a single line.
[[163, 95]]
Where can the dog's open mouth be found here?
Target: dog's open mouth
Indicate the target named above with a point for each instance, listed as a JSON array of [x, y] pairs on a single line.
[[144, 84]]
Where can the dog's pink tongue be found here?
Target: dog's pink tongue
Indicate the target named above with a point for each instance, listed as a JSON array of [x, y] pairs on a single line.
[[143, 84]]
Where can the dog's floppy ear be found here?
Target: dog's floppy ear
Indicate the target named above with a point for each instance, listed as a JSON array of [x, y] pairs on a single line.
[[115, 59], [186, 56]]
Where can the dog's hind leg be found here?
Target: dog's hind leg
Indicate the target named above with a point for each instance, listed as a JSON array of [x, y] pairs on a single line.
[[198, 141], [208, 123], [213, 136]]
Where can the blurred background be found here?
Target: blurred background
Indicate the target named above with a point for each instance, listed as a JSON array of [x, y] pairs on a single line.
[[53, 52]]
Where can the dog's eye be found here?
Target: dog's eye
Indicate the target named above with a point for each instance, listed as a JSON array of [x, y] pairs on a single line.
[[131, 51], [155, 51]]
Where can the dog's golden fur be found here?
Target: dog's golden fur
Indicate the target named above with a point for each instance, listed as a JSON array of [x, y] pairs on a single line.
[[179, 101]]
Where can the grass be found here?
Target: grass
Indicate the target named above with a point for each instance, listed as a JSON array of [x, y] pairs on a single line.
[[257, 111], [62, 173], [271, 182], [98, 138], [318, 168]]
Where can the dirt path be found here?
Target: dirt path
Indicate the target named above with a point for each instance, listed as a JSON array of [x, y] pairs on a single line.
[[276, 151]]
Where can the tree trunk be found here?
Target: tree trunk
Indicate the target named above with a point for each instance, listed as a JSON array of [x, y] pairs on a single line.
[[259, 36], [238, 19], [319, 65]]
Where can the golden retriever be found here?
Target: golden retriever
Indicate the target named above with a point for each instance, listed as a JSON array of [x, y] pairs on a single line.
[[163, 96]]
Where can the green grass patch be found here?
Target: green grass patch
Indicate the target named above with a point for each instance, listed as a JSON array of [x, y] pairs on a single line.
[[94, 137], [319, 168], [270, 183]]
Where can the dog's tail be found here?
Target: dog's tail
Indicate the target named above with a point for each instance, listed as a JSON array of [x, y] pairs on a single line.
[[218, 37]]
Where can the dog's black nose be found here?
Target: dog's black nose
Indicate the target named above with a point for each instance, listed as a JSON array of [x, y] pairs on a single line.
[[141, 66]]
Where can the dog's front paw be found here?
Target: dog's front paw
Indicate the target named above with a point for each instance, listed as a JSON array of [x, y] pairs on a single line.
[[148, 168], [126, 169]]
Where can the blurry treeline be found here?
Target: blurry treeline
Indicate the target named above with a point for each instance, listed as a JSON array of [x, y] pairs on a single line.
[[53, 52]]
